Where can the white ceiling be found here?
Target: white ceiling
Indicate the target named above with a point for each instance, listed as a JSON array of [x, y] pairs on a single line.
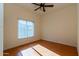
[[31, 7]]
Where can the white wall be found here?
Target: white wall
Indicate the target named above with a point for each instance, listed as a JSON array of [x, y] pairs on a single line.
[[1, 29], [60, 26], [78, 29], [11, 14]]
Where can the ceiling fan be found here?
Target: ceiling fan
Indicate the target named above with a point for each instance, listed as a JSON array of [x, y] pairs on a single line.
[[42, 5]]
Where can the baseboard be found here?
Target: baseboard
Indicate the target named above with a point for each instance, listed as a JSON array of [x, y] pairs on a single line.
[[21, 45], [58, 43]]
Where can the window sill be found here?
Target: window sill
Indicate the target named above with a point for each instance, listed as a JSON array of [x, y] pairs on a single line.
[[25, 38]]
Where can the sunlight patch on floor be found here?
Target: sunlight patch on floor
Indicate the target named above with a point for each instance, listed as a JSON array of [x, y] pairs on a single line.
[[29, 52], [38, 50]]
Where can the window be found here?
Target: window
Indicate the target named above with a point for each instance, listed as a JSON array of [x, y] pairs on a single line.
[[25, 29]]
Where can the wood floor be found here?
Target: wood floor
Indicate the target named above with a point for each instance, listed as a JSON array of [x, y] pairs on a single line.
[[62, 50]]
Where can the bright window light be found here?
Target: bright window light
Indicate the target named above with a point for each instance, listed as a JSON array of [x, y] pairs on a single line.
[[25, 29]]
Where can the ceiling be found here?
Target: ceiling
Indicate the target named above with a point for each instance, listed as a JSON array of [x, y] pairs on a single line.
[[31, 7]]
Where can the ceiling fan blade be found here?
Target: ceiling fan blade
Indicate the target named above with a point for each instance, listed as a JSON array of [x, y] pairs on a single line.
[[36, 4], [44, 8], [37, 8], [49, 5]]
